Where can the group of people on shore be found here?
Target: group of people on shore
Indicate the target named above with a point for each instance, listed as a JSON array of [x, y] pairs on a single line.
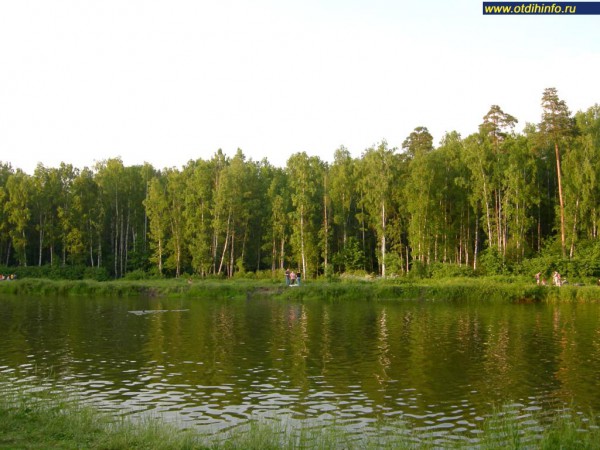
[[557, 279], [292, 278], [3, 277]]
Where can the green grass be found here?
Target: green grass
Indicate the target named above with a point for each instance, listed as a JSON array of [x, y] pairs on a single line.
[[512, 289], [37, 417], [47, 421]]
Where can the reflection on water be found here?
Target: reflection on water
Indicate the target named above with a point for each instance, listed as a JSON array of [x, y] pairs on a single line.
[[442, 366]]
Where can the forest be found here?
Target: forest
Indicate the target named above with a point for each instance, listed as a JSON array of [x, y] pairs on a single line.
[[496, 201]]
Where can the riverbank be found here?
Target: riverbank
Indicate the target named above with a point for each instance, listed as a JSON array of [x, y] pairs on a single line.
[[37, 416], [486, 288]]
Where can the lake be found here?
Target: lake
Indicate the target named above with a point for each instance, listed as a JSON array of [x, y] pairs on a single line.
[[441, 366]]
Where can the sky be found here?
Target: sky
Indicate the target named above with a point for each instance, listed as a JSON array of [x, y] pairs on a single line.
[[166, 82]]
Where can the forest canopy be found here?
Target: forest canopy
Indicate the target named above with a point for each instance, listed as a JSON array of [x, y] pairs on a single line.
[[492, 202]]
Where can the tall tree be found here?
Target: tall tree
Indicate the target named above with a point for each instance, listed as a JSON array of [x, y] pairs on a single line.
[[379, 166], [497, 126], [6, 172], [305, 182], [580, 178], [66, 174], [46, 200], [278, 196], [175, 191], [157, 208], [198, 201], [110, 175], [586, 169], [557, 125], [218, 163], [84, 239], [420, 192], [342, 191], [19, 187]]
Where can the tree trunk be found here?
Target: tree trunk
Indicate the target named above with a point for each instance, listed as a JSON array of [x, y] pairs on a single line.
[[476, 251], [304, 271], [326, 224], [560, 199], [225, 245], [232, 255], [383, 239], [274, 255], [8, 252], [572, 250], [41, 243]]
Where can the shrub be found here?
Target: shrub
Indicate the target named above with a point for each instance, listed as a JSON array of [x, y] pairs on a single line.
[[450, 270], [491, 262], [418, 269], [96, 273], [136, 275]]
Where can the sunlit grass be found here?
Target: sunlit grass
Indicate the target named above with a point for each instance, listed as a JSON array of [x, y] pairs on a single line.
[[513, 289], [34, 415]]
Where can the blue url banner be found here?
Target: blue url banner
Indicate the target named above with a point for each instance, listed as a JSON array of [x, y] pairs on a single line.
[[537, 8]]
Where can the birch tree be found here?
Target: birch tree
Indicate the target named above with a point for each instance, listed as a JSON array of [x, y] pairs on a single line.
[[18, 209], [157, 208], [305, 184], [378, 170]]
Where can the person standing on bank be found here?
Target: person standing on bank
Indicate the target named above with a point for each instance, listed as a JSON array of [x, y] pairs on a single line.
[[287, 277]]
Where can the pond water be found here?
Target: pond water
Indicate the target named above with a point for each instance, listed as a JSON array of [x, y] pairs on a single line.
[[219, 363]]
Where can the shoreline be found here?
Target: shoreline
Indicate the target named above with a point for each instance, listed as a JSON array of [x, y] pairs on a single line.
[[485, 288]]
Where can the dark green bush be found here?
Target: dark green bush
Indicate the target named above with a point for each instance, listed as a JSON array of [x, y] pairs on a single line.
[[137, 275], [491, 262], [57, 272], [447, 270], [96, 273]]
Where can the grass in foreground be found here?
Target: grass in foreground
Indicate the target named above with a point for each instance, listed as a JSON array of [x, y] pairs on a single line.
[[47, 422], [37, 418]]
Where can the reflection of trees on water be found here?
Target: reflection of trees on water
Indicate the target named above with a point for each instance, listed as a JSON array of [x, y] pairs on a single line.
[[405, 355], [326, 340], [298, 334], [278, 336], [578, 355], [497, 360], [155, 346], [383, 346], [223, 334]]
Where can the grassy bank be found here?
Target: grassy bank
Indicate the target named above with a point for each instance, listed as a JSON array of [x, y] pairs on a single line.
[[47, 420], [486, 288], [34, 418], [135, 288]]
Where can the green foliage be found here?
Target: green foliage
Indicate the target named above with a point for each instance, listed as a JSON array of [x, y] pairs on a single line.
[[394, 263], [351, 257], [96, 273], [137, 275], [418, 269], [491, 262], [440, 270], [495, 193], [49, 420], [69, 272], [584, 266]]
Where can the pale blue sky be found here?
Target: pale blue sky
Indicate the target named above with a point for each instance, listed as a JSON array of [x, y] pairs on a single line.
[[168, 81]]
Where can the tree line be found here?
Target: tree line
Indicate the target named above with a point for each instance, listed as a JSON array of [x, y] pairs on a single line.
[[495, 196]]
